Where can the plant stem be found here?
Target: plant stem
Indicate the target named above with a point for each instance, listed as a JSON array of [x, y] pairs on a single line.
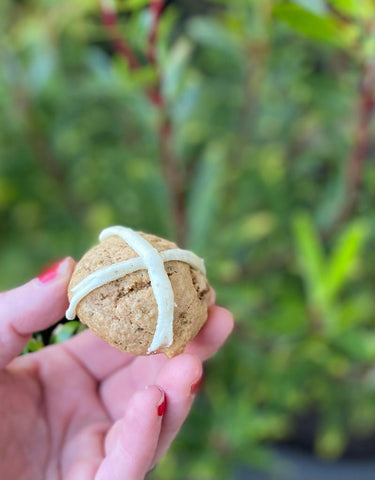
[[173, 174], [357, 156], [362, 136], [109, 18], [156, 8]]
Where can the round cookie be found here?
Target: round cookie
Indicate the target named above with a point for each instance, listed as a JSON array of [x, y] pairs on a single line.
[[125, 312]]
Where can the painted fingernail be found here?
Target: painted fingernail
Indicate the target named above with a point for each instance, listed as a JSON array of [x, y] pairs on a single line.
[[196, 385], [51, 272], [162, 406]]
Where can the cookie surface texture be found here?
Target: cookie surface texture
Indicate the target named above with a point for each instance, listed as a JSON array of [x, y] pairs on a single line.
[[124, 312]]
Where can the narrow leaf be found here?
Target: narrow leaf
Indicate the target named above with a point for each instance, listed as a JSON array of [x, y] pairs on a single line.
[[325, 29], [34, 344], [354, 8], [310, 256], [344, 257], [64, 331], [205, 196], [315, 6]]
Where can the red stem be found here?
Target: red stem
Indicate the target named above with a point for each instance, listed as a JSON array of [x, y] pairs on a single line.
[[356, 160], [173, 175], [156, 9], [172, 172], [362, 137], [366, 107], [109, 17]]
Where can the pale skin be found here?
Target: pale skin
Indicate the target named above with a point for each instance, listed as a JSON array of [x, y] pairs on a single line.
[[82, 410]]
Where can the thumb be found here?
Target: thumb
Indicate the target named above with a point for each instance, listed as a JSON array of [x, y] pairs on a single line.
[[32, 307]]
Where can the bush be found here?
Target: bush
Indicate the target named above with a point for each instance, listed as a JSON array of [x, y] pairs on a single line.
[[244, 132]]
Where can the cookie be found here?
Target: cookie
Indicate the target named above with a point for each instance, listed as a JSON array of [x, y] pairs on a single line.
[[140, 293]]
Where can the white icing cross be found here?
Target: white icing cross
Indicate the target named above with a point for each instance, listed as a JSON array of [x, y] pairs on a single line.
[[149, 259]]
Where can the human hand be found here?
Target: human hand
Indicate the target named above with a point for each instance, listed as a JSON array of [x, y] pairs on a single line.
[[79, 410]]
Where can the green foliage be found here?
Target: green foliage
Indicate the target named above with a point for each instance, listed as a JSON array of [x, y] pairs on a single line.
[[260, 95], [204, 196], [362, 10], [34, 344], [325, 278], [311, 21], [65, 331]]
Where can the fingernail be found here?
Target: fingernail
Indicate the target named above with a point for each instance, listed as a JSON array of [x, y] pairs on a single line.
[[161, 406], [51, 272], [195, 386]]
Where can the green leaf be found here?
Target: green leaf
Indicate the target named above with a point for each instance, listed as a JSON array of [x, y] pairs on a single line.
[[64, 331], [132, 4], [358, 345], [310, 257], [175, 67], [257, 225], [41, 68], [355, 8], [344, 257], [211, 34], [315, 6], [331, 440], [34, 344], [332, 203], [205, 196], [314, 26], [355, 310]]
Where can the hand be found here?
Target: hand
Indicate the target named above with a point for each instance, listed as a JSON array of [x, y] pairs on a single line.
[[79, 410]]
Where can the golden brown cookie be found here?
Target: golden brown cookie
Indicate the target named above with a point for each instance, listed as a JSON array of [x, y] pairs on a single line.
[[124, 312]]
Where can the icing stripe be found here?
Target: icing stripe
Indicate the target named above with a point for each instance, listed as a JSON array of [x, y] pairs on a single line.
[[114, 272], [177, 254], [131, 265], [162, 288], [99, 278], [149, 259]]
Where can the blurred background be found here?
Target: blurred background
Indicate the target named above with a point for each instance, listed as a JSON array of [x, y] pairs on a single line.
[[244, 131]]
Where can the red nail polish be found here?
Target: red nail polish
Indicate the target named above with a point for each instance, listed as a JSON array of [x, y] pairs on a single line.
[[195, 386], [161, 407], [50, 272]]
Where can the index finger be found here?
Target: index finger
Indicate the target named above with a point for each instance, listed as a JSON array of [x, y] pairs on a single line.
[[32, 307]]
